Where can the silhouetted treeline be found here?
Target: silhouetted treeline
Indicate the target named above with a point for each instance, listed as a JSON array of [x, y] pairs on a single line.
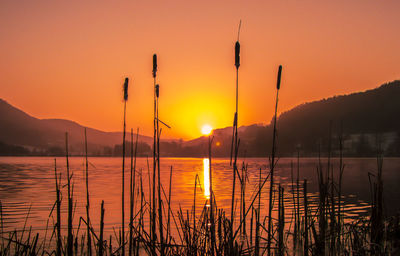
[[11, 150], [364, 120]]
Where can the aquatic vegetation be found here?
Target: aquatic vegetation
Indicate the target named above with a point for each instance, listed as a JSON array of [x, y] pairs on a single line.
[[311, 230]]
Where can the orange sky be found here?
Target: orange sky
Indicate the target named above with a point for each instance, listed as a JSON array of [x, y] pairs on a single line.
[[68, 59]]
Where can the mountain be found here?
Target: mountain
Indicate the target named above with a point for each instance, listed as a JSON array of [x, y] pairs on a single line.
[[359, 117], [18, 129]]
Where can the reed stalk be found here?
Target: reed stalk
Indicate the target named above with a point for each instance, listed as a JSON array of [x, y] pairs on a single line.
[[155, 121], [377, 224], [235, 133], [141, 216], [89, 241], [101, 239], [243, 199], [257, 237], [212, 227], [70, 237], [305, 252], [169, 206], [2, 226], [58, 211], [160, 215], [272, 164], [131, 199], [281, 221], [341, 170], [251, 227], [110, 248], [298, 191], [234, 145], [295, 211], [122, 240]]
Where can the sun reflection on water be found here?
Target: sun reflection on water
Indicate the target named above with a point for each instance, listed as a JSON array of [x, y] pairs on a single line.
[[206, 168]]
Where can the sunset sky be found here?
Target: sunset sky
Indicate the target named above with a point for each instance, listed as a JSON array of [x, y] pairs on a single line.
[[68, 59]]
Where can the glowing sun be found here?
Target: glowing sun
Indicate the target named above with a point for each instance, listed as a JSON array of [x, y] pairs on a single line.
[[206, 129]]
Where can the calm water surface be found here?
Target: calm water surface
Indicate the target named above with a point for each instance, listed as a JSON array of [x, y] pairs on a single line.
[[27, 185]]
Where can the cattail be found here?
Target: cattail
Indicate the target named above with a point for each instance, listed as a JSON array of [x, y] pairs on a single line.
[[154, 65], [157, 90], [155, 139], [123, 169], [237, 54], [58, 207], [278, 84], [89, 240], [126, 89], [272, 163], [305, 253], [101, 239], [70, 202], [235, 135]]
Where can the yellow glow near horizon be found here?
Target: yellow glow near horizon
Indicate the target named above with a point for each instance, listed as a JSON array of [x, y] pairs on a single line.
[[206, 129], [206, 168]]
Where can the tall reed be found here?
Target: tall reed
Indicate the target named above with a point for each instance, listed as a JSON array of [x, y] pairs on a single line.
[[305, 252], [212, 227], [235, 142], [155, 136], [70, 237], [122, 241], [160, 215], [132, 190], [101, 239], [58, 211], [272, 164], [89, 241]]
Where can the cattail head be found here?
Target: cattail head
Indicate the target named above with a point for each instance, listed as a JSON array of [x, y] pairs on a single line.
[[126, 89], [237, 54], [278, 84], [157, 90], [154, 65]]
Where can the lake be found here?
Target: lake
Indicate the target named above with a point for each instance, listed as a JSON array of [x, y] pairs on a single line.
[[27, 184]]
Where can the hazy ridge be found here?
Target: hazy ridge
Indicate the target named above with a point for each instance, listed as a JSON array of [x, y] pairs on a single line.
[[360, 116]]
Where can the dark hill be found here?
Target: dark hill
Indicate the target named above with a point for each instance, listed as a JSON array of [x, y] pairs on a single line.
[[360, 116], [20, 129]]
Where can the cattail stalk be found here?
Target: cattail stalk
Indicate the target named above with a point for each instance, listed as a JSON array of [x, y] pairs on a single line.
[[281, 220], [211, 198], [341, 169], [257, 238], [271, 188], [235, 138], [298, 190], [153, 213], [58, 209], [295, 211], [101, 239], [169, 205], [2, 224], [123, 170], [243, 199], [110, 248], [305, 252], [141, 221], [132, 190], [160, 215], [131, 194], [89, 241], [70, 239]]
